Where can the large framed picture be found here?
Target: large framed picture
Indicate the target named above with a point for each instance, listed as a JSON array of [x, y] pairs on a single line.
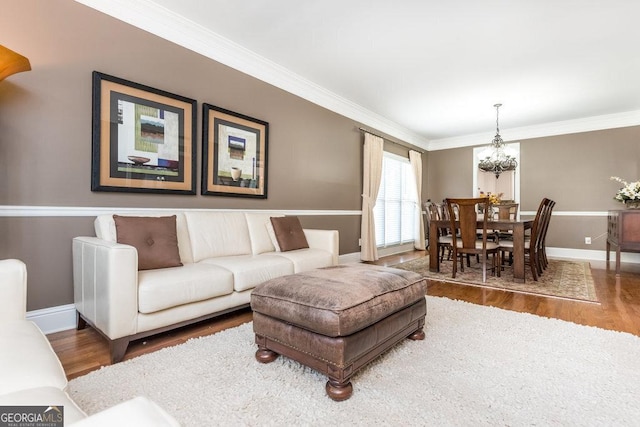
[[234, 154], [143, 138]]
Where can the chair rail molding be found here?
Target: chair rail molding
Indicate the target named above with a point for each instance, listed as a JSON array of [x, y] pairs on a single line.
[[70, 211], [88, 211]]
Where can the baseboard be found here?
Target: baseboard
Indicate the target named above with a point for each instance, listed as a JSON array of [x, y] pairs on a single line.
[[594, 255], [392, 250], [382, 252], [349, 258], [63, 317], [54, 319]]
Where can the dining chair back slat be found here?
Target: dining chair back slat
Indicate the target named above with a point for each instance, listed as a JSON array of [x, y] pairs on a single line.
[[508, 210]]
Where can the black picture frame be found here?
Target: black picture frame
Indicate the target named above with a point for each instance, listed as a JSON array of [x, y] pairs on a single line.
[[234, 154], [143, 138]]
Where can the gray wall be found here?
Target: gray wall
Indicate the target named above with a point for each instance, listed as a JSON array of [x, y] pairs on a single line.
[[573, 170], [315, 155]]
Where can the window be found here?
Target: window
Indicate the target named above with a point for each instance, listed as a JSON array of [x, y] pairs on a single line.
[[395, 210]]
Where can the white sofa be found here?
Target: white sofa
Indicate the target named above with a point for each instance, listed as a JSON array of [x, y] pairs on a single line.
[[224, 256], [31, 373]]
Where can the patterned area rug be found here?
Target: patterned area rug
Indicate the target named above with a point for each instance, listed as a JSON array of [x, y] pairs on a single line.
[[561, 279]]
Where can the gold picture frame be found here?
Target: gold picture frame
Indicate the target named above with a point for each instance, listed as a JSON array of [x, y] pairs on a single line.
[[234, 154], [143, 138]]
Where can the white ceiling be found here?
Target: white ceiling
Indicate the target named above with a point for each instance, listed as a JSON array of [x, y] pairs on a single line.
[[427, 71]]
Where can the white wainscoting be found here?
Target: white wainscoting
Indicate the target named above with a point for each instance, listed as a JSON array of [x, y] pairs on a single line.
[[54, 319]]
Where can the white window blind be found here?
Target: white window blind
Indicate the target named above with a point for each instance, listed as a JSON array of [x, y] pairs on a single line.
[[395, 210]]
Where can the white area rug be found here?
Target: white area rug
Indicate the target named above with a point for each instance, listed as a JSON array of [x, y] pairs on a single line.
[[478, 366]]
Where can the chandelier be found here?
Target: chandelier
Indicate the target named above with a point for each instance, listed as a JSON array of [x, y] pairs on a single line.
[[497, 160]]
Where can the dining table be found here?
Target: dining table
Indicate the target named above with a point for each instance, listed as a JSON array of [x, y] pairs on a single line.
[[516, 226]]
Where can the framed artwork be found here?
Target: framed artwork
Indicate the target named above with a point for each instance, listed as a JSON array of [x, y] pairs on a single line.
[[143, 138], [234, 154]]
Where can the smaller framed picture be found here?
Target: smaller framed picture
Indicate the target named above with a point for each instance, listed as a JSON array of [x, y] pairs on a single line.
[[143, 138], [234, 154]]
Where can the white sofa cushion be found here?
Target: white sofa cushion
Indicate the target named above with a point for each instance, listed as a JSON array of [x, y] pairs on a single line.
[[215, 234], [305, 259], [171, 287], [105, 228], [27, 359], [45, 396], [258, 231], [251, 270]]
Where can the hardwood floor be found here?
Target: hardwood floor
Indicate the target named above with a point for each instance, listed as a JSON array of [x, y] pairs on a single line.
[[84, 351]]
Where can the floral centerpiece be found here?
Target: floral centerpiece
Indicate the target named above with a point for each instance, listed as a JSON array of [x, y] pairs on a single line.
[[494, 199], [629, 194]]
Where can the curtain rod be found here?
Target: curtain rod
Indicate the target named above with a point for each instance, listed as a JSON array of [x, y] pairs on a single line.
[[409, 146], [374, 134]]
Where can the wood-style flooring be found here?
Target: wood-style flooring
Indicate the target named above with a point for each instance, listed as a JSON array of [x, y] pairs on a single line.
[[84, 351]]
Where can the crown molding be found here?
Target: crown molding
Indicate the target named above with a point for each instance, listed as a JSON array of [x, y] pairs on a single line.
[[587, 124], [156, 19], [149, 16]]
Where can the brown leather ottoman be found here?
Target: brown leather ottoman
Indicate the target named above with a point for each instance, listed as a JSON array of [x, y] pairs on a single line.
[[337, 319]]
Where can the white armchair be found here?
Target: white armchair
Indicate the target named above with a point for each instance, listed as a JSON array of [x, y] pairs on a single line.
[[13, 290], [26, 357], [31, 373]]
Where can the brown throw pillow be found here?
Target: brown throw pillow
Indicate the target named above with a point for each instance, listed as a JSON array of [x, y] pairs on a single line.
[[289, 233], [155, 238]]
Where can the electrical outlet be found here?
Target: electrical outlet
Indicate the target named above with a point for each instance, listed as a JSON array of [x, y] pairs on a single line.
[[587, 240]]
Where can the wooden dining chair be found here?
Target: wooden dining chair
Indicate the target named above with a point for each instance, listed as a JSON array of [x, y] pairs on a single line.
[[543, 262], [506, 211], [531, 244], [464, 239], [434, 213]]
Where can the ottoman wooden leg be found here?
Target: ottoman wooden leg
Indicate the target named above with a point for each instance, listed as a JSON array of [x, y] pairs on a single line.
[[417, 335], [264, 355], [339, 391]]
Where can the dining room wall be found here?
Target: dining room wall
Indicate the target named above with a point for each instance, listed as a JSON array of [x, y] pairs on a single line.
[[573, 169]]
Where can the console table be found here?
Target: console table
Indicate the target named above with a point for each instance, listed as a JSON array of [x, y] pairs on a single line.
[[623, 231]]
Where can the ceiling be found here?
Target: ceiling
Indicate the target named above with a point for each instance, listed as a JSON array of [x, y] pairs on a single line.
[[425, 71]]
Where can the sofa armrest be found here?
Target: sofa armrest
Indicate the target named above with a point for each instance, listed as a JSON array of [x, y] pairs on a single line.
[[105, 285], [13, 290], [324, 239]]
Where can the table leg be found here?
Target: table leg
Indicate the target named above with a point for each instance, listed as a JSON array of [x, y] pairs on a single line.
[[618, 260], [434, 260], [518, 252]]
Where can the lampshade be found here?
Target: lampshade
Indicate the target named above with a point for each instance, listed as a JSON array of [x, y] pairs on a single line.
[[12, 62]]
